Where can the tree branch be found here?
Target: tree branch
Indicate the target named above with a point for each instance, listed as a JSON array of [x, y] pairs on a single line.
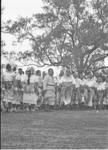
[[100, 68], [96, 60]]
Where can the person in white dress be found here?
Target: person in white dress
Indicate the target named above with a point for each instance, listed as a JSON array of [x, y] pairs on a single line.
[[49, 87], [39, 82], [67, 83], [30, 95]]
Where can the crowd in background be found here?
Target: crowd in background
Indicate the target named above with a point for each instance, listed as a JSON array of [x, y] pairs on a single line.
[[34, 90]]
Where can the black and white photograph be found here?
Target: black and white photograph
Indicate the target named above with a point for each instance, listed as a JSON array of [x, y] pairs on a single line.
[[54, 74]]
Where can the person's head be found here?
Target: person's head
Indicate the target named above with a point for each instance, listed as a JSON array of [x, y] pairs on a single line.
[[50, 72], [90, 75], [99, 79], [20, 71], [68, 73], [27, 72], [96, 74], [32, 71], [43, 74], [75, 74], [61, 73], [38, 73], [14, 69], [8, 67], [81, 76]]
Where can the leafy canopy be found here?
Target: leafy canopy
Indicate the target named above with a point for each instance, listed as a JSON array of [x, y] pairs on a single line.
[[75, 33]]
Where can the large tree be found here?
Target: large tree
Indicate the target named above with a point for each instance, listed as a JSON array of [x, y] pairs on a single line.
[[75, 33]]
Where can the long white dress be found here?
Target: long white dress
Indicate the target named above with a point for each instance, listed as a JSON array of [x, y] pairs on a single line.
[[39, 82], [49, 88], [30, 95], [67, 82]]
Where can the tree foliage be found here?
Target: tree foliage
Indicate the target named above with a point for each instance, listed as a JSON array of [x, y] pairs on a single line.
[[75, 33]]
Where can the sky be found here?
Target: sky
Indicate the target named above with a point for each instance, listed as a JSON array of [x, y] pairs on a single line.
[[14, 9]]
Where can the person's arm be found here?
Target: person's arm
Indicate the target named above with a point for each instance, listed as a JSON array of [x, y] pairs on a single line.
[[36, 88], [73, 81], [35, 81], [45, 82], [24, 81], [40, 83], [86, 83]]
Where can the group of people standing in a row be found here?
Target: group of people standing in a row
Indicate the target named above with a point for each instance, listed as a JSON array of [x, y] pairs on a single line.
[[30, 91]]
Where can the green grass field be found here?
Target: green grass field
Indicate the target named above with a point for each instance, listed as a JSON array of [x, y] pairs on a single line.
[[59, 129]]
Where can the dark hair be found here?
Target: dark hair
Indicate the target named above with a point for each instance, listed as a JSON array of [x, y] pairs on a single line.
[[20, 69], [29, 75], [8, 67], [14, 68], [61, 73], [103, 78], [38, 72], [43, 74], [50, 69]]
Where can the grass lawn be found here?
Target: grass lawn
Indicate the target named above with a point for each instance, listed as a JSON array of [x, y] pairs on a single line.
[[59, 129]]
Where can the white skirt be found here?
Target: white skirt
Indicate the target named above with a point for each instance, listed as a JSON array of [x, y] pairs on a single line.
[[30, 98]]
